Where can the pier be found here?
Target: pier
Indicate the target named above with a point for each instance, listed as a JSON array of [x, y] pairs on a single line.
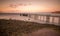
[[44, 18]]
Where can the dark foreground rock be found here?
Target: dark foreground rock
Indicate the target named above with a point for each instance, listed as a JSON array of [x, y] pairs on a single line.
[[23, 28], [45, 32]]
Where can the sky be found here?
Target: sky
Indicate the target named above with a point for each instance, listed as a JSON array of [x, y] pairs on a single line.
[[17, 6]]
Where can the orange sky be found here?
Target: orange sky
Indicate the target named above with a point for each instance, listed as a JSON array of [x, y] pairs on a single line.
[[17, 6]]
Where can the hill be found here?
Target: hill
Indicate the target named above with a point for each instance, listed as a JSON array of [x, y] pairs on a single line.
[[57, 12]]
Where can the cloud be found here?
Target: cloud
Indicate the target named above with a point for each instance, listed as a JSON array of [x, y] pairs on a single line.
[[19, 4]]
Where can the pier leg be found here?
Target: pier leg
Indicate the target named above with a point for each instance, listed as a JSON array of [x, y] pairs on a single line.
[[40, 18], [29, 15], [43, 18], [59, 20], [36, 17], [52, 19], [47, 19]]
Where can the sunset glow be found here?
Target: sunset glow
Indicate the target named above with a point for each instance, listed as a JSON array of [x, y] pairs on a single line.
[[29, 6]]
